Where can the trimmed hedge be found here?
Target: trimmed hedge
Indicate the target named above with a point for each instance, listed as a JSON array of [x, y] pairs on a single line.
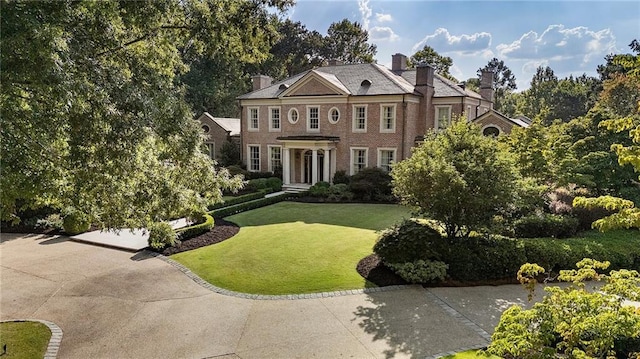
[[240, 199], [196, 230], [546, 225], [246, 206]]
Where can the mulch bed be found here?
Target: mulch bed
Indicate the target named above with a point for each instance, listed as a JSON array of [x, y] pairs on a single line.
[[222, 230], [372, 269]]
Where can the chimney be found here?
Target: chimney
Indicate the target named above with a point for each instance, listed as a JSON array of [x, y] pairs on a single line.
[[398, 62], [424, 76], [335, 62], [424, 85], [486, 86], [260, 82]]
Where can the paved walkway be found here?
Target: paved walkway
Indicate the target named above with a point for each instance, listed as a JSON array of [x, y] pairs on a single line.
[[114, 304]]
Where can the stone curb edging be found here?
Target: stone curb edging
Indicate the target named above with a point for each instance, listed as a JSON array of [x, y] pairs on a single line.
[[232, 293], [54, 341]]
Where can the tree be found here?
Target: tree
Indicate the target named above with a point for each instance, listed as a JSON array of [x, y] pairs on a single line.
[[93, 111], [458, 177], [296, 50], [347, 41], [504, 81], [537, 99], [429, 56]]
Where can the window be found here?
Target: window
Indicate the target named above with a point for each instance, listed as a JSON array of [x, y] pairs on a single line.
[[274, 118], [254, 158], [443, 117], [313, 119], [386, 157], [358, 159], [252, 118], [210, 149], [334, 115], [491, 131], [388, 118], [359, 118], [205, 128], [275, 158], [293, 116]]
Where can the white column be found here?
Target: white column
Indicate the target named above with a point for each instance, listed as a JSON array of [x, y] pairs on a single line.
[[292, 170], [302, 166], [286, 174], [314, 166], [334, 162], [325, 165]]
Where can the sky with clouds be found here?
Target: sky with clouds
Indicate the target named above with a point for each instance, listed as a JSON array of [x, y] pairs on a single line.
[[572, 37]]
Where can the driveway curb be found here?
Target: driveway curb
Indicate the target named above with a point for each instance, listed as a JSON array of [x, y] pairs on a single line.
[[232, 293], [54, 341]]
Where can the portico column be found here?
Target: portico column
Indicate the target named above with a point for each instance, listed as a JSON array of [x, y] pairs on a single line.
[[285, 167], [314, 166], [334, 162], [325, 165]]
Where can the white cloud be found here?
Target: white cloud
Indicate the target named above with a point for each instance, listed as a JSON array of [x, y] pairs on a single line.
[[383, 17], [366, 12], [559, 43], [383, 33], [442, 41]]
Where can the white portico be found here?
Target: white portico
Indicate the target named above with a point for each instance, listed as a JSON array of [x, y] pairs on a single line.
[[308, 159]]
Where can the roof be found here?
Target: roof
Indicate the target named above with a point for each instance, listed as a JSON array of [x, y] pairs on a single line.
[[442, 86], [516, 121], [231, 125], [348, 78]]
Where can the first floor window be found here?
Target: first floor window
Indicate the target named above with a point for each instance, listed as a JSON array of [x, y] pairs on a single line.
[[358, 160], [254, 158], [211, 150], [275, 158], [386, 159], [443, 117]]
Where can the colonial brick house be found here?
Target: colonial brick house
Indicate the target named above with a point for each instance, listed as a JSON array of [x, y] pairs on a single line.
[[218, 131], [347, 117]]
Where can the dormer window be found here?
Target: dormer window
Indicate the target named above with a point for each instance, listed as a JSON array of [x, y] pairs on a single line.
[[365, 83]]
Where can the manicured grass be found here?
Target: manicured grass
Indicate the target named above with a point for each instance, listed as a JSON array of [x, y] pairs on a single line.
[[291, 247], [470, 354], [24, 339]]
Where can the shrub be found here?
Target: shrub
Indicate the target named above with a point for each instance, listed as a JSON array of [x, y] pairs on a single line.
[[197, 229], [420, 271], [545, 225], [246, 206], [237, 170], [75, 223], [320, 189], [341, 177], [409, 241], [371, 184], [54, 221], [239, 199], [339, 193], [161, 235], [274, 183], [256, 175]]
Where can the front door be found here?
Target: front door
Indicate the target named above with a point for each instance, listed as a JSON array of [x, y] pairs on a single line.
[[308, 163]]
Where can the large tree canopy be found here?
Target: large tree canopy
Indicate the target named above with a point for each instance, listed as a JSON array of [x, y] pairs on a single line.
[[430, 56], [504, 81], [93, 113], [347, 41]]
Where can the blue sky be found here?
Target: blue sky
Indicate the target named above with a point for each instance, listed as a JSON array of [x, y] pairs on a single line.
[[572, 37]]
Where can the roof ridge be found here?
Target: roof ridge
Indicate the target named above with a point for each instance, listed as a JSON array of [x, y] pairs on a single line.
[[451, 84], [393, 78]]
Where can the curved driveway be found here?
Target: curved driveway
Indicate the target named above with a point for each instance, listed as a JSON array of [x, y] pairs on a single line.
[[115, 304]]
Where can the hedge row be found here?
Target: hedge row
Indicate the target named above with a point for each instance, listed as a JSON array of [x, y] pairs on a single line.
[[195, 230], [246, 206], [240, 199]]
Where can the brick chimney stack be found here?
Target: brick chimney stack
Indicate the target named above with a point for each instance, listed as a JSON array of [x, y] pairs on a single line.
[[486, 86], [261, 81], [424, 85], [398, 62]]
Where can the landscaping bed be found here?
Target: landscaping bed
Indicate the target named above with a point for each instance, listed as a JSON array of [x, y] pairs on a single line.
[[222, 230]]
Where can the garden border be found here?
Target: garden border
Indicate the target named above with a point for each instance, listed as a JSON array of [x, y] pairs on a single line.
[[54, 341]]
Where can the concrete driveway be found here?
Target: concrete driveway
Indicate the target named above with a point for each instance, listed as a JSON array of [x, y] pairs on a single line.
[[115, 304]]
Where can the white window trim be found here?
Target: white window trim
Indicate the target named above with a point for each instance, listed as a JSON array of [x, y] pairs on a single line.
[[353, 121], [253, 129], [437, 121], [291, 110], [500, 131], [269, 147], [351, 163], [249, 157], [382, 129], [331, 121], [271, 128], [309, 129], [392, 149]]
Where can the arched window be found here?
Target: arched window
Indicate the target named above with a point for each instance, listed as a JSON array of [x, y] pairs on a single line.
[[491, 131], [205, 128]]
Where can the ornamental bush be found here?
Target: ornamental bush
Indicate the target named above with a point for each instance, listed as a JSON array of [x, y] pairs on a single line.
[[75, 223], [545, 225], [420, 271], [371, 184], [320, 189], [162, 235], [409, 241]]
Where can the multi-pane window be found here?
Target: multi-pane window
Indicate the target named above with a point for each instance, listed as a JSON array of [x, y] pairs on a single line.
[[359, 118], [358, 159], [253, 118], [388, 119], [386, 157], [211, 150], [443, 117], [254, 158], [274, 118], [313, 118], [275, 158]]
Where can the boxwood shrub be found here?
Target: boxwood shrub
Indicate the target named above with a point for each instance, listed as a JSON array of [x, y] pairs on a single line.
[[75, 223], [546, 225], [246, 206], [239, 199], [409, 241], [197, 229]]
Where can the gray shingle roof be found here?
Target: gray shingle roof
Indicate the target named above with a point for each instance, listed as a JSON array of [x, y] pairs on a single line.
[[231, 125], [443, 87]]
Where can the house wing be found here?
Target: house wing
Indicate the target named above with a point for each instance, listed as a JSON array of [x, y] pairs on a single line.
[[316, 83]]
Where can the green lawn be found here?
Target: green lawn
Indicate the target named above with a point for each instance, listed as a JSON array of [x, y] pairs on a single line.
[[24, 339], [470, 354], [292, 247]]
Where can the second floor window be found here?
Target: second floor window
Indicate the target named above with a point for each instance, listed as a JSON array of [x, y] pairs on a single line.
[[388, 119], [313, 119], [359, 119], [274, 118], [253, 118]]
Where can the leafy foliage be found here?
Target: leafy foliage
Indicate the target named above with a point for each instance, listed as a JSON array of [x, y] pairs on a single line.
[[347, 41], [428, 55], [420, 271], [457, 177], [545, 225], [504, 81], [162, 235], [371, 184], [409, 241], [197, 229], [76, 222]]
